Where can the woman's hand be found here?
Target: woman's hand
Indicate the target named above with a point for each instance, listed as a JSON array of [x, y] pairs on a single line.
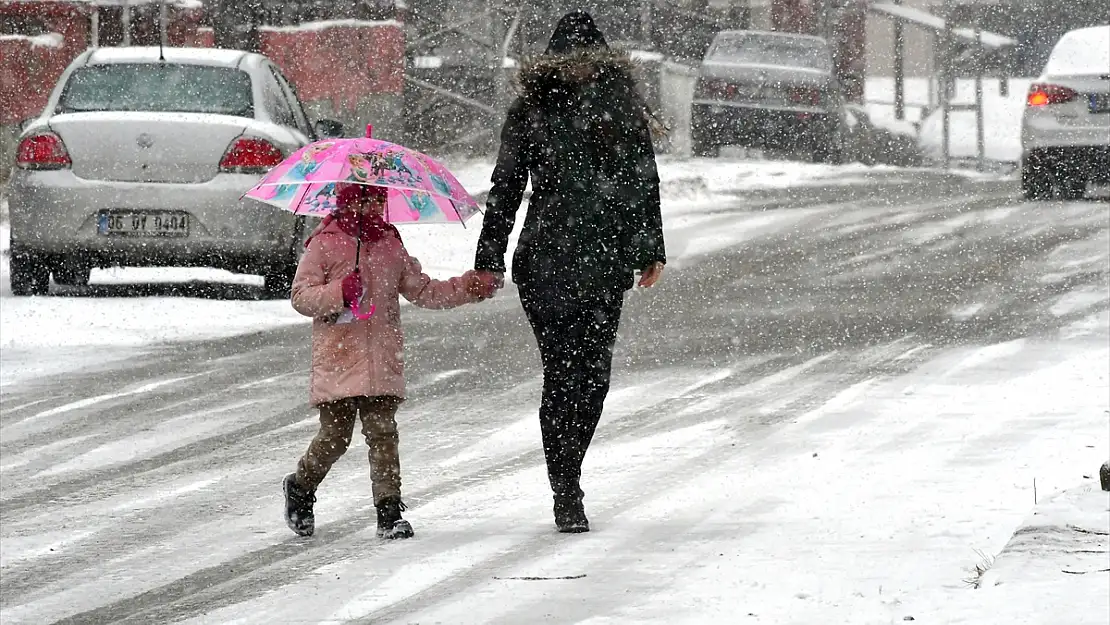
[[650, 275], [483, 284]]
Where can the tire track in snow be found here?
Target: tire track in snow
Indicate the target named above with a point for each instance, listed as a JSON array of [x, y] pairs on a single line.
[[709, 347], [277, 567]]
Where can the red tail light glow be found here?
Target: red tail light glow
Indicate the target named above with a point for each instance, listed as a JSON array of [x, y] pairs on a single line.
[[711, 88], [42, 151], [1044, 94], [806, 95], [250, 156]]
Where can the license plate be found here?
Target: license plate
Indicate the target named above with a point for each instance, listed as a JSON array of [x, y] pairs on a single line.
[[143, 224], [1100, 103]]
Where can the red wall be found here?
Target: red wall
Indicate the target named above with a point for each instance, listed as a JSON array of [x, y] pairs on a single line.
[[341, 63], [28, 72]]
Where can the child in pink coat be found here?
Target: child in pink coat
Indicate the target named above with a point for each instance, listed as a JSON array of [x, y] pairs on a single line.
[[357, 362]]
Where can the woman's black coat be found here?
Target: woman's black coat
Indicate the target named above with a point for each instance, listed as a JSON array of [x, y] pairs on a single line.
[[580, 131]]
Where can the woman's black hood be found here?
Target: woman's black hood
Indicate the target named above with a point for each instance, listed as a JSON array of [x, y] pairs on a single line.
[[576, 32], [576, 55], [578, 58]]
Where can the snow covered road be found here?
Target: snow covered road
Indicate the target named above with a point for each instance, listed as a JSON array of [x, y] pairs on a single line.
[[833, 401]]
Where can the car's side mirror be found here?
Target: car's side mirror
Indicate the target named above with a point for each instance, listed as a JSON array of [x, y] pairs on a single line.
[[328, 129]]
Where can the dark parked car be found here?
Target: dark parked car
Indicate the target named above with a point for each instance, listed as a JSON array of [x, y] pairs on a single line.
[[768, 90]]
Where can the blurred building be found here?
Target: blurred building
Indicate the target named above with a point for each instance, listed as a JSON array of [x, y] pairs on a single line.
[[1036, 25]]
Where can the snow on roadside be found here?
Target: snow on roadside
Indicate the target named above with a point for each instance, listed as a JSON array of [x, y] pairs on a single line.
[[881, 498], [30, 325], [1055, 568], [1001, 118], [45, 40]]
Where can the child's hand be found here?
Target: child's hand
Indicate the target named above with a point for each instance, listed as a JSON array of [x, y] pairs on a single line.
[[352, 288], [479, 286]]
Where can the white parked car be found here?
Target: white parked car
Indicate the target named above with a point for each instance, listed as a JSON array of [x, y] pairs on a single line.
[[140, 159], [1065, 131]]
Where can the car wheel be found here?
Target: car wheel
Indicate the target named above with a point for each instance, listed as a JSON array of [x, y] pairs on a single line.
[[827, 153], [1036, 183], [30, 273], [1072, 188], [72, 272], [277, 279], [703, 148]]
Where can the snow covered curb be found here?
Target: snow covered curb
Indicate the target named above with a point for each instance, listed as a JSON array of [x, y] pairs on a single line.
[[1061, 556]]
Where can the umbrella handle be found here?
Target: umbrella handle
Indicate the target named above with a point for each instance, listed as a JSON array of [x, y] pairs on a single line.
[[361, 316], [358, 263]]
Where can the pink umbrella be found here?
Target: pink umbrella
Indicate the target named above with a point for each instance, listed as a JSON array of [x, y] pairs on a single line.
[[420, 190]]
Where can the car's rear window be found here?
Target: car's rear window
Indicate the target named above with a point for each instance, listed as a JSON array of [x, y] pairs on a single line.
[[158, 87], [765, 50]]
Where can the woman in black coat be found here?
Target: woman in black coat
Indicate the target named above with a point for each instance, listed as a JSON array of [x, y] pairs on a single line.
[[580, 130]]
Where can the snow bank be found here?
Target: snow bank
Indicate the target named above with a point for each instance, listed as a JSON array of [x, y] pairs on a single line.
[[46, 40], [32, 328], [38, 323], [326, 24], [184, 4], [1055, 568], [1002, 123], [1002, 116], [878, 95]]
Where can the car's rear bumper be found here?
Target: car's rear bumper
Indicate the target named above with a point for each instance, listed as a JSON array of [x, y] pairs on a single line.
[[1040, 129], [1091, 162], [55, 212], [777, 128]]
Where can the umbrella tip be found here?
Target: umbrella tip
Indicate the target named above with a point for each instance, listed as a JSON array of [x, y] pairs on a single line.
[[369, 131]]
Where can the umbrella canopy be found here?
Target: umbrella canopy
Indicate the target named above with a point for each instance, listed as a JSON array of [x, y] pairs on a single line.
[[420, 190]]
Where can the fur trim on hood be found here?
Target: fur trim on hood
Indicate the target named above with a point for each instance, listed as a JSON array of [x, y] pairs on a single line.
[[540, 76]]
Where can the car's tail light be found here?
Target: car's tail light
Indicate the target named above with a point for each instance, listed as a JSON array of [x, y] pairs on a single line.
[[44, 150], [806, 95], [1043, 94], [250, 156], [713, 88]]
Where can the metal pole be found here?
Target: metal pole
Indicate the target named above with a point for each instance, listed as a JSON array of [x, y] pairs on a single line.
[[125, 20], [947, 88], [501, 76], [826, 24], [163, 28], [980, 137], [498, 48], [94, 27], [899, 69]]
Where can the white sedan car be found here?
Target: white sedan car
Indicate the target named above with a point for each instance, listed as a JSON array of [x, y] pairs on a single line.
[[1065, 131], [140, 159]]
